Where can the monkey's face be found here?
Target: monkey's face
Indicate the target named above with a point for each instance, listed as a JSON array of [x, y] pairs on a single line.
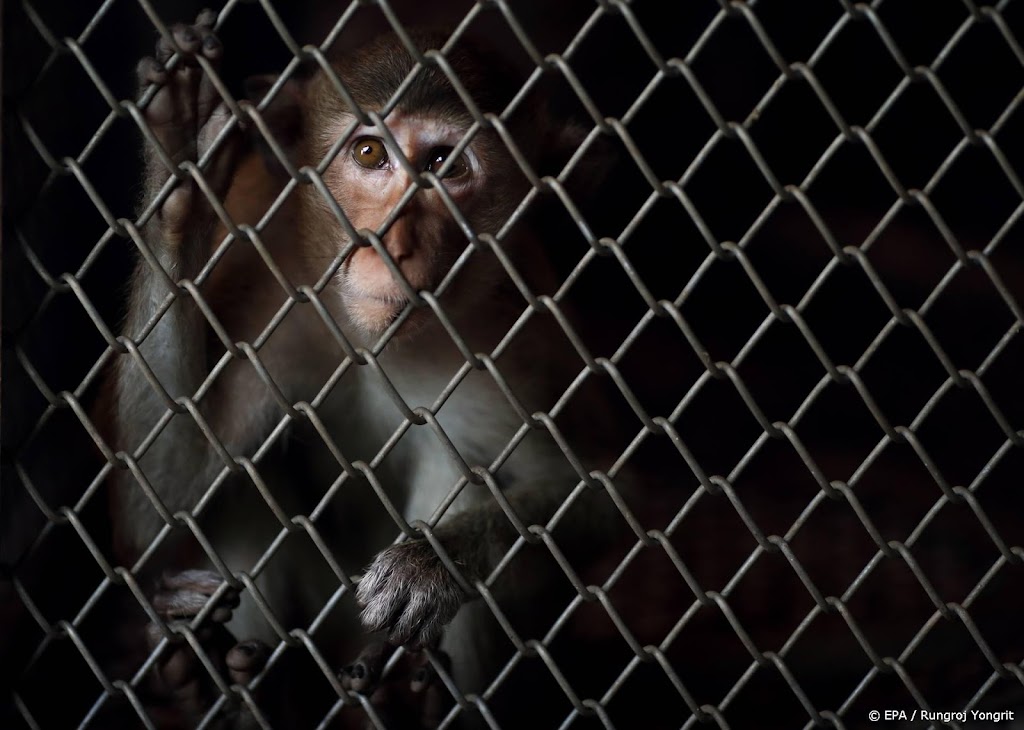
[[418, 183], [422, 235]]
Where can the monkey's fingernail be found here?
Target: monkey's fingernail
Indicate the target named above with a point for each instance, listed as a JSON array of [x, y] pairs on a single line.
[[220, 615], [420, 679]]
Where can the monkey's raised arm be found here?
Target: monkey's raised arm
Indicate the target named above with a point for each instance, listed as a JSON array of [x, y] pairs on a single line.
[[185, 116]]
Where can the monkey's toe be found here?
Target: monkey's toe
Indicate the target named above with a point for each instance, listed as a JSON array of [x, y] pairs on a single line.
[[246, 659], [362, 674], [181, 672], [424, 676], [405, 690], [413, 671]]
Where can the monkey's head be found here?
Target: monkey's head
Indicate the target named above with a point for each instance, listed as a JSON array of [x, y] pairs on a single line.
[[373, 170]]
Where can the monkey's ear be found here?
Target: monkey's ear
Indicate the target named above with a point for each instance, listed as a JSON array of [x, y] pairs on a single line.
[[590, 171], [283, 116]]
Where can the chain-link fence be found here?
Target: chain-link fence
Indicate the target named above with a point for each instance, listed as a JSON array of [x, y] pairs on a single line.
[[794, 282]]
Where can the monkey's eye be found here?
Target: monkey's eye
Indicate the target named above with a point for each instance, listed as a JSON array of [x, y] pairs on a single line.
[[439, 155], [370, 152]]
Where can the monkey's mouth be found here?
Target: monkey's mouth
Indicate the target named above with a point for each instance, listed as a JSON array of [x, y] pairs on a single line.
[[365, 276], [372, 297], [388, 295], [394, 297], [374, 311]]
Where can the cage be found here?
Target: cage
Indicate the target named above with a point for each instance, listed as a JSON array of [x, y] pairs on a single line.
[[792, 282]]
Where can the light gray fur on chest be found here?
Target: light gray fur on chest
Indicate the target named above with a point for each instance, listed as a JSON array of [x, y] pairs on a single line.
[[424, 468]]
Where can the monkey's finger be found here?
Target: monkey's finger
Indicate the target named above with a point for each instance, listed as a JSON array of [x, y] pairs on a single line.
[[180, 669], [423, 673], [435, 700], [209, 42], [187, 38], [222, 166], [207, 98], [246, 659], [191, 697], [422, 677], [207, 18], [183, 38], [149, 71], [362, 674], [164, 50], [359, 677]]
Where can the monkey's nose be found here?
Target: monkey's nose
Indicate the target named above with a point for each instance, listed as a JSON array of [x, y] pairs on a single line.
[[400, 241]]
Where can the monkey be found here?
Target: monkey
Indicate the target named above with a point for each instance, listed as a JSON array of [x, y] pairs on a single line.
[[387, 306]]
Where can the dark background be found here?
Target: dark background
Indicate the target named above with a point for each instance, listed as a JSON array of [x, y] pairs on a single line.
[[959, 552]]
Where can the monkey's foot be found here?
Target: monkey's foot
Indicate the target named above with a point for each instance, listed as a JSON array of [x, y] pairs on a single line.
[[409, 593], [409, 695], [363, 673], [180, 674], [187, 113]]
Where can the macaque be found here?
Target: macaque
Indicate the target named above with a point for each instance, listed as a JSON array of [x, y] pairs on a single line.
[[239, 353]]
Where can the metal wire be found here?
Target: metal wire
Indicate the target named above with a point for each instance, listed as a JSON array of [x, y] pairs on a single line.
[[840, 254]]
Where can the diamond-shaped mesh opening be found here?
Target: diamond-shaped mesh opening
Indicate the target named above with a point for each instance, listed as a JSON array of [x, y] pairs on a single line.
[[759, 468]]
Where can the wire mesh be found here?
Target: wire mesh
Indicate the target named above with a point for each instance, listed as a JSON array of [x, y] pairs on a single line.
[[806, 286]]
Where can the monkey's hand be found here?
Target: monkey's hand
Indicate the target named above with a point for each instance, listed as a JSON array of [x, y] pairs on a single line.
[[186, 114], [180, 674], [408, 593], [409, 695]]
